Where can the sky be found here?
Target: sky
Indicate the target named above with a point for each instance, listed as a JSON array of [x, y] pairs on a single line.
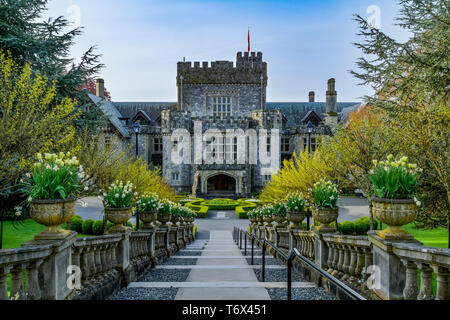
[[304, 42]]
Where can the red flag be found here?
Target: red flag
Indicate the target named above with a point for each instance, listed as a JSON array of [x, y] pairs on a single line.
[[248, 37]]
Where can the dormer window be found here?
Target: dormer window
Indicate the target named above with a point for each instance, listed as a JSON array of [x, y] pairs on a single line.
[[221, 107]]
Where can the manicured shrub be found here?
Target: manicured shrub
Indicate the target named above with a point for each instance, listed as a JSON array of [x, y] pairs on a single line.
[[97, 227], [87, 226], [109, 224], [360, 227], [194, 230], [129, 224], [347, 227], [76, 224]]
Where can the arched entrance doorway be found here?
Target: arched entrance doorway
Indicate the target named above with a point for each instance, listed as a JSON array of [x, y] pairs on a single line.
[[221, 183]]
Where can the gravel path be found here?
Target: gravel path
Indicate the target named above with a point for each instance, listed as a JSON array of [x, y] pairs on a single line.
[[277, 275], [300, 294], [188, 253], [181, 261], [146, 294], [269, 261], [165, 275]]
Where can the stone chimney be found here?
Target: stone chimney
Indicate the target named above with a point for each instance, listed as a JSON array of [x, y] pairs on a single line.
[[331, 96], [100, 88], [311, 96]]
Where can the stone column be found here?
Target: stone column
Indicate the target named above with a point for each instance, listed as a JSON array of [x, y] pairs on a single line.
[[391, 269]]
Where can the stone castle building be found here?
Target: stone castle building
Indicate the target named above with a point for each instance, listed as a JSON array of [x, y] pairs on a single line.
[[215, 99]]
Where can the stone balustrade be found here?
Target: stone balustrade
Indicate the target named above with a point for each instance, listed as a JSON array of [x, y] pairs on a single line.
[[86, 268], [21, 262], [375, 267], [347, 258], [428, 261], [304, 242]]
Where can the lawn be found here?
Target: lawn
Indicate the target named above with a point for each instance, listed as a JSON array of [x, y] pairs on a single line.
[[432, 238], [13, 237]]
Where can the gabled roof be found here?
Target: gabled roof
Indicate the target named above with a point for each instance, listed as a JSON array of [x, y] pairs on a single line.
[[309, 115], [143, 114], [152, 109], [111, 112], [296, 111]]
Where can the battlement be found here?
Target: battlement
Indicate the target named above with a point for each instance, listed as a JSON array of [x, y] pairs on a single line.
[[248, 70]]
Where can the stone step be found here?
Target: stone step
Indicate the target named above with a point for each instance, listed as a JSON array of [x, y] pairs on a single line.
[[199, 266], [219, 284]]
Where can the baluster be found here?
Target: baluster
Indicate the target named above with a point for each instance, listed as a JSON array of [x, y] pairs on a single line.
[[360, 264], [336, 259], [98, 260], [104, 257], [311, 247], [3, 284], [76, 257], [108, 257], [91, 259], [17, 281], [114, 254], [346, 264], [84, 259], [33, 287], [442, 290], [352, 265], [369, 257], [426, 282], [340, 266], [411, 290], [330, 257]]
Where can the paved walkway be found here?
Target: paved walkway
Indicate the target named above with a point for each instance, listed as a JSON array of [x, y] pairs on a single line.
[[221, 281], [214, 268]]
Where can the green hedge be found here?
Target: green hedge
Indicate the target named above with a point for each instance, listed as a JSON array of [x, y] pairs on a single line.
[[202, 211], [243, 208], [220, 204]]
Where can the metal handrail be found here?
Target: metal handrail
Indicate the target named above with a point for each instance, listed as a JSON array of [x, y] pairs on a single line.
[[289, 258]]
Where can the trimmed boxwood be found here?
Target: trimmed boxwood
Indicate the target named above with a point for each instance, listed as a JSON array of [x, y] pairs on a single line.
[[87, 226], [243, 208], [220, 204], [97, 227], [76, 224]]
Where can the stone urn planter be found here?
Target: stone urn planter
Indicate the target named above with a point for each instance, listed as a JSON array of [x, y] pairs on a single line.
[[325, 216], [260, 220], [279, 221], [149, 218], [118, 216], [163, 218], [395, 213], [296, 219], [52, 213]]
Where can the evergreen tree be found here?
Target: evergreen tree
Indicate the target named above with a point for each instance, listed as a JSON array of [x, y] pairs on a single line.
[[411, 81]]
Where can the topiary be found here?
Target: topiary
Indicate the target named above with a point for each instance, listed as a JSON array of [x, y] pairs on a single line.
[[109, 224], [347, 227], [76, 224], [97, 227], [87, 226], [360, 226]]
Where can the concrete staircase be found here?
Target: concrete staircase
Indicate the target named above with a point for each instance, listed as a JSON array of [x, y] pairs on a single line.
[[221, 272]]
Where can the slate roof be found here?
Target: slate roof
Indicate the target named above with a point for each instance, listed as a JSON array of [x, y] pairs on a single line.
[[110, 110], [152, 109], [296, 111]]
